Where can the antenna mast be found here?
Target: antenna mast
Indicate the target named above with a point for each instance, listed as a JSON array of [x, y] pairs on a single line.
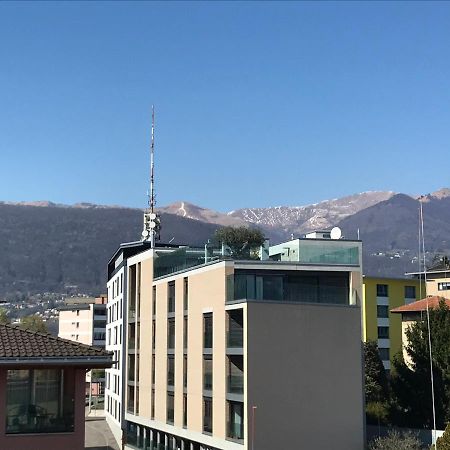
[[152, 222]]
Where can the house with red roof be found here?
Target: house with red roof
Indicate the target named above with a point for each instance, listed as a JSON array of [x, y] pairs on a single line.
[[42, 389]]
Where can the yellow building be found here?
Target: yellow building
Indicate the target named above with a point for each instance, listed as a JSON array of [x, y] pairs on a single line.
[[380, 295]]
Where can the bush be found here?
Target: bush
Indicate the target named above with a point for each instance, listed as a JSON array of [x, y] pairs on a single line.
[[443, 443], [397, 441]]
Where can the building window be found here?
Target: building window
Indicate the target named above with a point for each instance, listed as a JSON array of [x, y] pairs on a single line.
[[235, 328], [153, 334], [384, 354], [235, 374], [154, 300], [382, 290], [410, 292], [207, 373], [39, 401], [152, 407], [185, 333], [171, 334], [207, 414], [185, 293], [170, 407], [170, 371], [208, 330], [184, 410], [443, 286], [185, 371], [382, 311], [383, 332], [171, 297], [235, 420], [153, 369]]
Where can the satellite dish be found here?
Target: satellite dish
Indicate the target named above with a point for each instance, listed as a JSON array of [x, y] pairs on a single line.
[[152, 224], [335, 233], [145, 233], [152, 216]]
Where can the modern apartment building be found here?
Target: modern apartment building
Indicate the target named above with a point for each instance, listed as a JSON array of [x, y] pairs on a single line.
[[380, 296], [233, 354], [115, 335]]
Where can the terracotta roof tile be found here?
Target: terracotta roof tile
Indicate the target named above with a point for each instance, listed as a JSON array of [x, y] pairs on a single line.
[[16, 343], [421, 305]]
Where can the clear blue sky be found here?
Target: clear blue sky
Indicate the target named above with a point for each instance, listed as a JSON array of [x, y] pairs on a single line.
[[258, 104]]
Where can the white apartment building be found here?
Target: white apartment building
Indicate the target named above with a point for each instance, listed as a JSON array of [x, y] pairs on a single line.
[[115, 335]]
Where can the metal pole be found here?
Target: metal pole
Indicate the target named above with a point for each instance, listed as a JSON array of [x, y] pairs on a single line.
[[253, 427], [428, 325]]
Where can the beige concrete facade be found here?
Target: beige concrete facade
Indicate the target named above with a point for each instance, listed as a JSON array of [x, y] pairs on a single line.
[[302, 363]]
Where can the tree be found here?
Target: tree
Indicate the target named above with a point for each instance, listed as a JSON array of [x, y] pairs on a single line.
[[33, 323], [396, 441], [411, 383], [4, 319], [376, 385], [443, 443], [241, 240]]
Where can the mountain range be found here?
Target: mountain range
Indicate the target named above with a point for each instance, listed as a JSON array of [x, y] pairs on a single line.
[[49, 247]]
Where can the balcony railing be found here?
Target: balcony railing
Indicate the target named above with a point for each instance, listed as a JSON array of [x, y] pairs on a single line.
[[34, 419]]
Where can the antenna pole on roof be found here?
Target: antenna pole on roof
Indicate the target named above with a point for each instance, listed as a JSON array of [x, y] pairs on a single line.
[[152, 223]]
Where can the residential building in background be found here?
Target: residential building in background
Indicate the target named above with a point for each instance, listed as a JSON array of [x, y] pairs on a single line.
[[83, 319], [42, 389], [412, 312], [235, 354], [380, 296]]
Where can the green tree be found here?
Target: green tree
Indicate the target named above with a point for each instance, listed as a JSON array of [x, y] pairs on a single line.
[[376, 385], [33, 323], [4, 319], [241, 240], [411, 385], [396, 441], [443, 443]]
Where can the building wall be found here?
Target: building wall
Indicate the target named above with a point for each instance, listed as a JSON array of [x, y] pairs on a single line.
[[433, 287], [207, 293], [77, 324], [321, 407], [115, 343], [371, 321], [45, 441]]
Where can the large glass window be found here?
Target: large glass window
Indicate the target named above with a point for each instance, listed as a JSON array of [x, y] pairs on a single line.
[[383, 311], [207, 414], [207, 373], [154, 300], [383, 332], [235, 336], [39, 401], [207, 330], [171, 297], [313, 287], [185, 293], [382, 290], [170, 407], [185, 410], [235, 375], [170, 371], [171, 334], [410, 292], [235, 422]]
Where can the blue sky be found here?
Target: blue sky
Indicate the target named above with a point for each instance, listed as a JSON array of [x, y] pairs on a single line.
[[257, 104]]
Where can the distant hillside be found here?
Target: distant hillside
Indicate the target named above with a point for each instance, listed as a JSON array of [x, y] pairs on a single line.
[[59, 249], [391, 227], [50, 247]]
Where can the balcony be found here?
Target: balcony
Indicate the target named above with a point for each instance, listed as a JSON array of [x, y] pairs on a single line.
[[289, 286]]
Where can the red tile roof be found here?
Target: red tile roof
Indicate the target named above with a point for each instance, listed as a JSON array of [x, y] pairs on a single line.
[[27, 346], [421, 305]]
